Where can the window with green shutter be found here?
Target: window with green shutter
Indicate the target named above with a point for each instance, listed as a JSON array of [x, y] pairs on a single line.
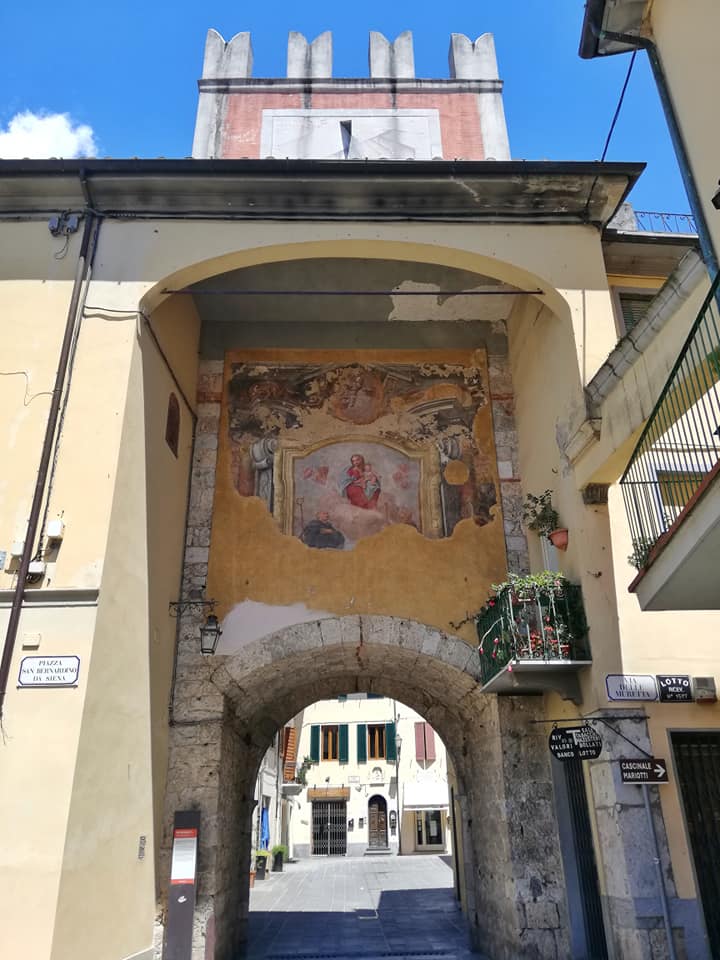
[[343, 753], [390, 742], [634, 306], [315, 743], [362, 743]]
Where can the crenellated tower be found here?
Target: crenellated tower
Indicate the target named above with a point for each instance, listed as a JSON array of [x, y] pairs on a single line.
[[390, 115]]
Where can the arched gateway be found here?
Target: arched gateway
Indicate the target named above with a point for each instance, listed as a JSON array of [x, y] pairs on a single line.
[[367, 466], [227, 709]]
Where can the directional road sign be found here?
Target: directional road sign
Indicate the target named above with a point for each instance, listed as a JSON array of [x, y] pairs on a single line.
[[651, 770]]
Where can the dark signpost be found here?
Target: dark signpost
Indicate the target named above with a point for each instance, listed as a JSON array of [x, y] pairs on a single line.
[[652, 770], [575, 743], [676, 689], [181, 899]]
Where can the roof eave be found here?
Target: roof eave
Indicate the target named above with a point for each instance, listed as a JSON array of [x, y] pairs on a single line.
[[620, 17]]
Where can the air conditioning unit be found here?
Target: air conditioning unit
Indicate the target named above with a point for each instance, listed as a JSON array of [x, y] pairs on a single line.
[[36, 568], [17, 548]]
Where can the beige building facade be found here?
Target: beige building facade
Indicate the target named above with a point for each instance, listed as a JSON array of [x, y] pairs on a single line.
[[671, 481], [375, 781], [318, 419]]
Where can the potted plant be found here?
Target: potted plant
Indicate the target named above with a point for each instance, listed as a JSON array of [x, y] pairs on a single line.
[[540, 515], [261, 859], [279, 852]]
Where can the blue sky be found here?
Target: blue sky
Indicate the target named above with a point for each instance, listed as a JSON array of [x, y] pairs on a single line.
[[129, 71]]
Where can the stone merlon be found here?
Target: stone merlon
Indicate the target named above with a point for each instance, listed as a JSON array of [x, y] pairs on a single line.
[[472, 60], [309, 59], [395, 59], [233, 58]]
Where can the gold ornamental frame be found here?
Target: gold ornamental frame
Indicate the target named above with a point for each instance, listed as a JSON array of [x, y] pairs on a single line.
[[427, 458]]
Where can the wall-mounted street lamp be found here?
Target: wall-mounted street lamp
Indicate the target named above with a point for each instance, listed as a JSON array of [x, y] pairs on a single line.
[[210, 631]]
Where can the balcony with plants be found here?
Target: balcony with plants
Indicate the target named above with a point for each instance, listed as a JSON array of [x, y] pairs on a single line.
[[533, 636], [671, 486]]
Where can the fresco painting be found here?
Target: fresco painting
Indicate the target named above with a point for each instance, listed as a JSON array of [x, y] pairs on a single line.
[[340, 451], [354, 489]]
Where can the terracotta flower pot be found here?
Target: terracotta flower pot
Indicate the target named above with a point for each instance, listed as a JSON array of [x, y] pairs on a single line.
[[559, 538]]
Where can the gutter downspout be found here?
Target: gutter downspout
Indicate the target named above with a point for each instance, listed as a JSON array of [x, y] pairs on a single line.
[[82, 273], [706, 244]]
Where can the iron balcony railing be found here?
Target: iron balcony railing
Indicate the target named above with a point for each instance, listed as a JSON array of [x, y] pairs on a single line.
[[680, 445], [544, 624], [652, 221]]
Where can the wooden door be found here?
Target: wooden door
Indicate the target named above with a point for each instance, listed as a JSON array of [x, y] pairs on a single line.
[[377, 823]]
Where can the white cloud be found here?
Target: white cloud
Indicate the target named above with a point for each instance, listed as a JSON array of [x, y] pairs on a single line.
[[41, 135]]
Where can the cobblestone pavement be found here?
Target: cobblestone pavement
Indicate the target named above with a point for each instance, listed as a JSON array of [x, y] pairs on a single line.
[[369, 907]]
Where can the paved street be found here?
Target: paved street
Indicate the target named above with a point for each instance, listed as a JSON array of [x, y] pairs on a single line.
[[367, 907]]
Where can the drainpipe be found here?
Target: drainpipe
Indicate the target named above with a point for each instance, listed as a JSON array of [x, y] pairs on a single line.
[[79, 290], [706, 244]]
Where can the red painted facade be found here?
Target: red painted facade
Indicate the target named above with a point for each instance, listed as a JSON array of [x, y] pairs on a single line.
[[459, 116]]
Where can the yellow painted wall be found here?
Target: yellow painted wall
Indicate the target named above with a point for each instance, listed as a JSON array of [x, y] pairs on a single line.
[[632, 400], [80, 779], [681, 642], [686, 37], [37, 764], [122, 756]]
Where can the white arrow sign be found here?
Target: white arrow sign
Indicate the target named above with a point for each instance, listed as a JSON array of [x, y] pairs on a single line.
[[650, 770]]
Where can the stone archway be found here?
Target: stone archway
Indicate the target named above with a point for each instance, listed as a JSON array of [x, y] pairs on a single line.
[[227, 709]]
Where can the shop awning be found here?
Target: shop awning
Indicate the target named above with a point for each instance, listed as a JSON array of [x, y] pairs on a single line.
[[431, 795]]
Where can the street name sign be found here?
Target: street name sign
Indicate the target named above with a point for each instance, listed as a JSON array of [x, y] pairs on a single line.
[[49, 671], [651, 770], [676, 689], [631, 686], [570, 743]]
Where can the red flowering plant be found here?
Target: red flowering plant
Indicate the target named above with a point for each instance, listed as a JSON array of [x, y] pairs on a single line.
[[533, 617]]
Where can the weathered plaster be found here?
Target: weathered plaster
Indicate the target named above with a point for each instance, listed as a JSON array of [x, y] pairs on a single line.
[[249, 620], [397, 571]]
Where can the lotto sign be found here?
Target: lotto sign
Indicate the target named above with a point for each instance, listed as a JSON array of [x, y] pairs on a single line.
[[571, 743], [675, 689]]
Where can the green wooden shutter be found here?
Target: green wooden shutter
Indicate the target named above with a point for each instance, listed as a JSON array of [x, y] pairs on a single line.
[[362, 743], [315, 743], [390, 742], [634, 306], [343, 746]]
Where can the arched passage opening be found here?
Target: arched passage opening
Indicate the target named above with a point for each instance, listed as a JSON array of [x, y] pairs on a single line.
[[502, 774]]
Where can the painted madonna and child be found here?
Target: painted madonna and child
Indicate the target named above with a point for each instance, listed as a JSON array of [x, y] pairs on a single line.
[[341, 496], [388, 433]]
